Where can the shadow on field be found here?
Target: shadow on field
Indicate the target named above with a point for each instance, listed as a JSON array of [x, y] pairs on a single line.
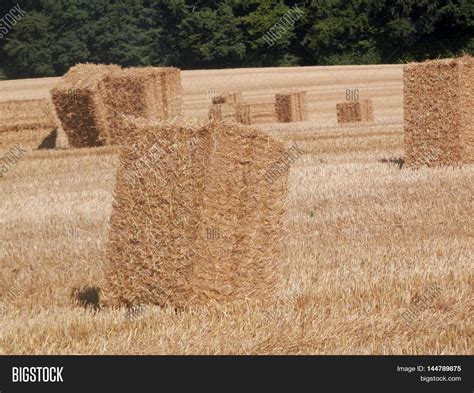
[[87, 297], [399, 161], [50, 141]]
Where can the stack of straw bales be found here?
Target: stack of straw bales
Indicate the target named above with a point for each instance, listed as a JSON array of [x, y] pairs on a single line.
[[151, 93], [288, 107], [439, 112], [208, 178], [291, 106], [224, 106], [223, 112], [256, 113], [229, 106], [103, 94], [355, 111]]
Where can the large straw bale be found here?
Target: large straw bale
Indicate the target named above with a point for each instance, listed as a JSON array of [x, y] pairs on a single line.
[[439, 112], [102, 95], [79, 104], [355, 111], [291, 106], [152, 93], [256, 113], [203, 180]]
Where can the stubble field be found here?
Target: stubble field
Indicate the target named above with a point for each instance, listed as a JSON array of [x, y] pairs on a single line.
[[365, 239]]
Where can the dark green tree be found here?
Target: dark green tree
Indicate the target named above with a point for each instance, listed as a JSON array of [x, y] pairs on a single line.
[[124, 35], [340, 32], [269, 31], [28, 47], [208, 36]]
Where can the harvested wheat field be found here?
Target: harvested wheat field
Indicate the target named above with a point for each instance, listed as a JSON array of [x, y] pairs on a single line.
[[325, 86], [364, 239], [27, 122]]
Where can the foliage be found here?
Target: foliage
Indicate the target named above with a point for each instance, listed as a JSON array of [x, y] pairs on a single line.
[[56, 34]]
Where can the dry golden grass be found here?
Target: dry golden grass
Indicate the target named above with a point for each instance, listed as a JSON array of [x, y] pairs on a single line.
[[25, 114], [26, 122], [26, 89], [365, 239], [27, 139]]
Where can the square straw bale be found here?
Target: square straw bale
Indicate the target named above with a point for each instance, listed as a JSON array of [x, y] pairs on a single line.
[[102, 95], [223, 112], [439, 112], [198, 225], [256, 113], [79, 104], [355, 111], [151, 93], [348, 112], [291, 106]]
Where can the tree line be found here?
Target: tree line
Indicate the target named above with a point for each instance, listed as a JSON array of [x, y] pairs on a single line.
[[49, 36]]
